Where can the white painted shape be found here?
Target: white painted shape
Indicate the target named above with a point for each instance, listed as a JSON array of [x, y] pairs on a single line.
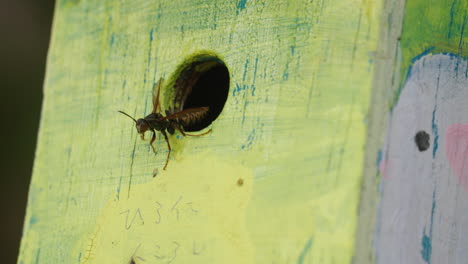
[[416, 181]]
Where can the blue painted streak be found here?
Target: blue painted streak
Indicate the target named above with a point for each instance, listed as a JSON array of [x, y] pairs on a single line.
[[426, 241], [33, 220], [238, 89], [250, 140], [304, 251], [38, 254], [246, 67], [152, 34], [112, 40], [452, 14], [379, 157], [151, 37], [414, 60], [435, 128], [424, 53], [241, 4], [435, 132], [427, 248], [254, 76]]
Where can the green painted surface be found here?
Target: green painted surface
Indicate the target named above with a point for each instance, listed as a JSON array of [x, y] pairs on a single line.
[[433, 26], [293, 128]]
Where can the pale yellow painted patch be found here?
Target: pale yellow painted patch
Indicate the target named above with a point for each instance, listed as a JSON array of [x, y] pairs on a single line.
[[194, 212]]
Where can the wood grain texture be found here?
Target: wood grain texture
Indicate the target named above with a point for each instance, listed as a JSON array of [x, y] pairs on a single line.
[[292, 131]]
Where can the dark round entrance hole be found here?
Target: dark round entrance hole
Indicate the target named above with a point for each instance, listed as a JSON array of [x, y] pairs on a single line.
[[201, 81]]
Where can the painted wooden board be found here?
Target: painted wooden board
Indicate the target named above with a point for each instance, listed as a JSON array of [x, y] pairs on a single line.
[[424, 203], [384, 86], [293, 131], [422, 210]]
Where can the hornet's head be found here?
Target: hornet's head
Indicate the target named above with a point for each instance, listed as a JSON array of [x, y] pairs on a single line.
[[141, 124]]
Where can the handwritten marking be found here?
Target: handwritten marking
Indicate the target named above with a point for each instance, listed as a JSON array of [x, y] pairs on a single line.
[[159, 213], [190, 204], [137, 212], [158, 256], [167, 258], [174, 207], [132, 260], [178, 210], [175, 251], [196, 252]]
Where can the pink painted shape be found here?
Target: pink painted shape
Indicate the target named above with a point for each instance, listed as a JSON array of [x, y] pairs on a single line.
[[456, 149], [383, 168]]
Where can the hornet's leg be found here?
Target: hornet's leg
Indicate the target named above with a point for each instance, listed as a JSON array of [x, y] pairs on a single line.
[[181, 130], [168, 146], [152, 141], [199, 135]]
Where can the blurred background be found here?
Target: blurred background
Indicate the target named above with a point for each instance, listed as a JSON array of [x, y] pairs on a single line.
[[25, 29]]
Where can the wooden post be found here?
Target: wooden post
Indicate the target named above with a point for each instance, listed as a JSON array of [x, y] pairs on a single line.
[[415, 196], [279, 178]]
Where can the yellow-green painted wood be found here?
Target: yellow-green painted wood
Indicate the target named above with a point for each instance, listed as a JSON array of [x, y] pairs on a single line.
[[293, 128]]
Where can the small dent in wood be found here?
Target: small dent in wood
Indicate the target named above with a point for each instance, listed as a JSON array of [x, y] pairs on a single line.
[[240, 182]]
